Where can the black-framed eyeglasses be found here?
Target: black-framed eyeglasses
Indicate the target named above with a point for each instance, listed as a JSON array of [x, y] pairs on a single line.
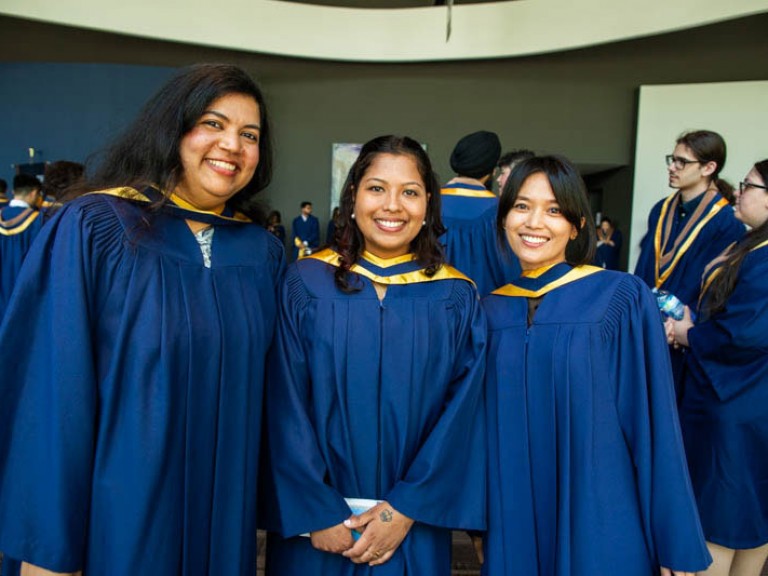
[[679, 162], [745, 184]]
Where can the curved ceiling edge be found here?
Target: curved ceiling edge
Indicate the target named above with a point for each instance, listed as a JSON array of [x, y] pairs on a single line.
[[502, 29]]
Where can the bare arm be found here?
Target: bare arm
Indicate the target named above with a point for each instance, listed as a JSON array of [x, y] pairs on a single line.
[[30, 570]]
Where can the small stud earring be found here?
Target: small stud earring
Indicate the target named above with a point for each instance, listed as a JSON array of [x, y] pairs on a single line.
[[423, 222], [353, 216]]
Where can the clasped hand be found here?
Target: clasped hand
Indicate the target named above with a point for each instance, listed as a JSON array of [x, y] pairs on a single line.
[[383, 530], [676, 331]]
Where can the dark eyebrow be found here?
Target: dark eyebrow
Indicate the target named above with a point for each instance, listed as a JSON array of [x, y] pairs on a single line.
[[225, 117], [521, 197], [414, 183]]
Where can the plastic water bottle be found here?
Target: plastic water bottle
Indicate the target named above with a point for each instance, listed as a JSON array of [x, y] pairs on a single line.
[[669, 304]]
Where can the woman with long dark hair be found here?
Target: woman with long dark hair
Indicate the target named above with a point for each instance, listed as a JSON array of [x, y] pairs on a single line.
[[724, 412], [134, 349], [587, 472], [376, 388]]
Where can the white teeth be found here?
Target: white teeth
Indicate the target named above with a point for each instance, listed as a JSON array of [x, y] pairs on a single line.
[[533, 239], [390, 223], [222, 164]]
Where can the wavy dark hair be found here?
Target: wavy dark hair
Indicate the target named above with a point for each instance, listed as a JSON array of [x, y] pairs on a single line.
[[707, 146], [349, 241], [147, 153], [570, 193], [723, 284]]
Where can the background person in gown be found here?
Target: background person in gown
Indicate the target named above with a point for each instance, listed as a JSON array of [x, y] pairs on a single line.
[[724, 412]]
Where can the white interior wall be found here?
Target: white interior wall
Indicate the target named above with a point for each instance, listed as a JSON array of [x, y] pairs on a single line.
[[736, 110]]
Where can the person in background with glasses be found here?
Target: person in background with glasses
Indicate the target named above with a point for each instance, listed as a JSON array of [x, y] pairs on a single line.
[[689, 228], [724, 411]]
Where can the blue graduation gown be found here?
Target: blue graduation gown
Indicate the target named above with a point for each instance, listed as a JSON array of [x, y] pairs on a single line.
[[684, 280], [469, 214], [586, 466], [607, 256], [18, 228], [308, 232], [378, 400], [724, 412], [132, 394]]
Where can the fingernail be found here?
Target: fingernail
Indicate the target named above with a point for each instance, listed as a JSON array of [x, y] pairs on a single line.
[[347, 522]]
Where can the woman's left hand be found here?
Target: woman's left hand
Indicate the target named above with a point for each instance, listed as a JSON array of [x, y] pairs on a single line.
[[669, 572], [383, 528]]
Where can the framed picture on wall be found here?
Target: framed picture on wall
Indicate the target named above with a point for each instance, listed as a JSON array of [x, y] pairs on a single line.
[[342, 158]]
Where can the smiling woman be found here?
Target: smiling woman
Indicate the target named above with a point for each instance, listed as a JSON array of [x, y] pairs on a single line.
[[139, 330], [219, 155], [376, 385], [390, 205], [724, 409], [586, 463]]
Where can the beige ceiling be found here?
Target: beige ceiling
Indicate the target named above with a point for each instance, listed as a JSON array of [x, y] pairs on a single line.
[[387, 3], [508, 28]]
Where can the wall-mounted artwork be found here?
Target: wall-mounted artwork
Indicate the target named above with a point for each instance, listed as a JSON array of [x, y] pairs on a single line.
[[342, 158]]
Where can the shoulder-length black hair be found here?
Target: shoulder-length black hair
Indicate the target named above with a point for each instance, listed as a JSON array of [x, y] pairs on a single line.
[[147, 153], [570, 193], [349, 241], [723, 284]]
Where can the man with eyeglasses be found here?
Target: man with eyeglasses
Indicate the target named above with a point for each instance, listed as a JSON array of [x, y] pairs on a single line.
[[689, 228]]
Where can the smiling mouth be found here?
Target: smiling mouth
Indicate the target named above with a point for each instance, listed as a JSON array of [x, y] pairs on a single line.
[[536, 240], [221, 164], [390, 224]]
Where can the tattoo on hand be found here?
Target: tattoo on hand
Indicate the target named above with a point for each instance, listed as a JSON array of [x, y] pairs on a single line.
[[386, 515]]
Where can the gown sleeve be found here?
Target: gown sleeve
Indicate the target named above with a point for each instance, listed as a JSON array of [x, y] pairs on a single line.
[[300, 499], [445, 484], [648, 416], [644, 265], [49, 392], [730, 348]]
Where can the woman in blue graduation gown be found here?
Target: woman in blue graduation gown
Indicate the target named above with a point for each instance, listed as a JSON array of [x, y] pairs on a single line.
[[724, 412], [376, 385], [587, 472], [134, 349]]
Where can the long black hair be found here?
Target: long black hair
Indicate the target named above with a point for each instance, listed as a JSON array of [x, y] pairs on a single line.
[[723, 284], [349, 241], [147, 153], [570, 193]]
